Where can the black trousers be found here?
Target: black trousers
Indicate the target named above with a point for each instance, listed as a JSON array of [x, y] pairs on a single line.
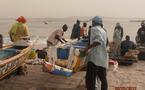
[[94, 72]]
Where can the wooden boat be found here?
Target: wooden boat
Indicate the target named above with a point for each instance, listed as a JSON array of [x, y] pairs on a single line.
[[12, 57]]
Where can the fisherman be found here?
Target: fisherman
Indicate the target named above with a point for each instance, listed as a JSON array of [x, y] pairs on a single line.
[[83, 30], [117, 37], [126, 45], [57, 36], [97, 56], [19, 30], [141, 34], [53, 40], [76, 31]]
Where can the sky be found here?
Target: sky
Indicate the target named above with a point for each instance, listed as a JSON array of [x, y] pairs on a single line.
[[69, 8]]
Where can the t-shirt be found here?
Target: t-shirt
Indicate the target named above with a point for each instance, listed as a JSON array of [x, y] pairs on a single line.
[[52, 37], [83, 31], [126, 45], [18, 31]]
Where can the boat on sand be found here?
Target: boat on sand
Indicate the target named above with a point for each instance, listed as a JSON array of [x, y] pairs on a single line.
[[13, 56]]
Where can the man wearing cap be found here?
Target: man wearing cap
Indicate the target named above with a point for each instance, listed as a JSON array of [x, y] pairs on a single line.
[[97, 56], [19, 30]]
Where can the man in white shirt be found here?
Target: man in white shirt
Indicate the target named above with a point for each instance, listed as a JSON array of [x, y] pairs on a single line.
[[117, 37], [97, 56], [57, 36], [54, 39]]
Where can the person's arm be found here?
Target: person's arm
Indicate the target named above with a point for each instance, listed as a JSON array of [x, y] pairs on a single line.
[[134, 45], [92, 46], [78, 31], [57, 37], [122, 33], [121, 46], [96, 40], [139, 31], [64, 39]]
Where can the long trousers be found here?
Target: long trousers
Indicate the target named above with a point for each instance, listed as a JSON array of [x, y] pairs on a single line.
[[94, 72]]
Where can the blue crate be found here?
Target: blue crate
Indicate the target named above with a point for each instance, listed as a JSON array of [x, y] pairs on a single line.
[[67, 74], [63, 53], [61, 72]]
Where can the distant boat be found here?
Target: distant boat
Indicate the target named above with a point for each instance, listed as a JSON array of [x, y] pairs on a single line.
[[12, 57], [45, 22]]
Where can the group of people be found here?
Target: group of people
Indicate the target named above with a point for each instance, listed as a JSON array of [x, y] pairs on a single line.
[[78, 31], [119, 46], [97, 55]]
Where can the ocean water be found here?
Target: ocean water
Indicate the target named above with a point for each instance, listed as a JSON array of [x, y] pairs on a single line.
[[37, 27]]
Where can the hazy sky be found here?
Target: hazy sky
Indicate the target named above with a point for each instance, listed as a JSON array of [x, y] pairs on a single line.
[[66, 8]]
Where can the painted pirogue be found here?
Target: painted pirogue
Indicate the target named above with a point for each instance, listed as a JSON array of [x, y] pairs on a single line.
[[12, 57]]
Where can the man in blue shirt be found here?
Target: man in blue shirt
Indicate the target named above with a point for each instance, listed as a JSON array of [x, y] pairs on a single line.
[[97, 56]]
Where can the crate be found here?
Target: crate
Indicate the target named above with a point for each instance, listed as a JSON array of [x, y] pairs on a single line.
[[62, 72], [63, 53]]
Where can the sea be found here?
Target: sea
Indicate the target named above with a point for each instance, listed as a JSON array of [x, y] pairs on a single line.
[[43, 27]]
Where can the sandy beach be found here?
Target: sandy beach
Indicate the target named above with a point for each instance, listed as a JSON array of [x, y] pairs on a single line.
[[126, 76]]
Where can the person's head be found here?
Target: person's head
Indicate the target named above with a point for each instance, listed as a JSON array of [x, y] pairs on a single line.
[[127, 38], [64, 27], [78, 22], [21, 19], [84, 24], [142, 24], [97, 20], [118, 24]]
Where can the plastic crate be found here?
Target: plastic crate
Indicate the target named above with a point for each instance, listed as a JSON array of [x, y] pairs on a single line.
[[61, 72], [63, 53]]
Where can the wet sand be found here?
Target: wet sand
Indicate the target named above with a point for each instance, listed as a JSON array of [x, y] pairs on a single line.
[[126, 76]]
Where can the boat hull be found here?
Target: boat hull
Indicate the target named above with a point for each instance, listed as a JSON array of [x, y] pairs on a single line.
[[10, 65]]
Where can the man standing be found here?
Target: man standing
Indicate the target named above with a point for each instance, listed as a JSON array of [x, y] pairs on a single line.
[[83, 30], [97, 56], [76, 31], [117, 37]]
